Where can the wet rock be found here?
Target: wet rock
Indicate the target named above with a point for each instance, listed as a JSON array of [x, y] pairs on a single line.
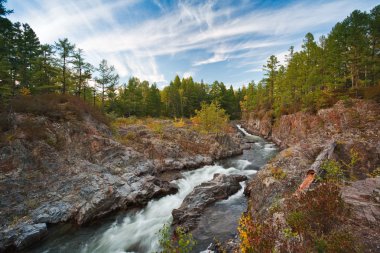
[[220, 187], [29, 234], [22, 236]]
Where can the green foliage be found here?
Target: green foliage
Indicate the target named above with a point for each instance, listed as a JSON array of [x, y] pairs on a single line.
[[343, 63], [180, 242], [289, 234], [297, 221], [107, 81], [211, 118], [333, 171], [65, 51]]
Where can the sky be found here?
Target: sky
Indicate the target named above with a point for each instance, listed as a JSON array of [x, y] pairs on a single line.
[[226, 40]]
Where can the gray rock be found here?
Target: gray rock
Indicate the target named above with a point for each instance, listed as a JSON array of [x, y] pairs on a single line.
[[29, 234], [79, 172], [22, 236], [52, 213], [220, 187]]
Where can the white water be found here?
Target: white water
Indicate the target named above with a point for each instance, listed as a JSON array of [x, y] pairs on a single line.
[[243, 130], [138, 232]]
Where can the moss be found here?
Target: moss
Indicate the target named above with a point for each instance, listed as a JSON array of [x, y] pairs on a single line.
[[277, 173]]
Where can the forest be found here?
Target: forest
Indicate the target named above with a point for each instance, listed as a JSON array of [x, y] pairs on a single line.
[[341, 65]]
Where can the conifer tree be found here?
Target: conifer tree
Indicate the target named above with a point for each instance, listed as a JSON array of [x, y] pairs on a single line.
[[65, 51]]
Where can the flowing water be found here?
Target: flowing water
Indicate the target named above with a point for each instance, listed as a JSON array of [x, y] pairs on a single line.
[[136, 231]]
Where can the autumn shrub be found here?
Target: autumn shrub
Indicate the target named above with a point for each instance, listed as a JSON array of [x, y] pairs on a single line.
[[156, 126], [57, 107], [375, 173], [317, 217], [180, 242], [127, 138], [179, 123], [255, 236], [211, 118], [372, 93], [33, 130], [124, 122], [322, 207]]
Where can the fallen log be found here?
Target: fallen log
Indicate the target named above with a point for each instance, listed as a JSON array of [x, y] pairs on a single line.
[[315, 168]]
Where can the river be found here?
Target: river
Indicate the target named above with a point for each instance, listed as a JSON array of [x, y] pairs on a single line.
[[136, 230]]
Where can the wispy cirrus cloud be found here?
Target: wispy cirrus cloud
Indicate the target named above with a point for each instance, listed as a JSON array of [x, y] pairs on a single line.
[[154, 40]]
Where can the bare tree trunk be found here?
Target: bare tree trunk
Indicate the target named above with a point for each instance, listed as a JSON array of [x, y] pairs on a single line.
[[315, 168]]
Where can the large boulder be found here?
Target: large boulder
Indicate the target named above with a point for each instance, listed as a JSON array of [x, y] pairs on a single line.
[[220, 187]]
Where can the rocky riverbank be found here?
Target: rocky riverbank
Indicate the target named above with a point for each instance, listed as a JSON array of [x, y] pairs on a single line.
[[353, 126], [78, 169], [220, 187]]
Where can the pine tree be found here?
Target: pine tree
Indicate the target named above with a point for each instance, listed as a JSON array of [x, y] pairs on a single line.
[[107, 79], [65, 51], [271, 72], [83, 71], [46, 71]]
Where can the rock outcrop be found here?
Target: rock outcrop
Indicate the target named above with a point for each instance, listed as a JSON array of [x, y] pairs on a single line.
[[75, 170], [220, 187], [354, 130], [363, 197], [176, 148]]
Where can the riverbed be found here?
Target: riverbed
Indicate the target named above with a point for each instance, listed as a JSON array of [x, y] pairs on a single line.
[[137, 230]]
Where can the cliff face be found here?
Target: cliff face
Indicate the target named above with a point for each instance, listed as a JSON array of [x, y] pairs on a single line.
[[76, 170], [354, 129], [343, 120]]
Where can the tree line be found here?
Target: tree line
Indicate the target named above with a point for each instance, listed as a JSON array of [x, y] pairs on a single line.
[[29, 67], [342, 64]]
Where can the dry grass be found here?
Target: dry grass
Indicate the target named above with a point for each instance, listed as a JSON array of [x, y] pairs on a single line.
[[57, 107]]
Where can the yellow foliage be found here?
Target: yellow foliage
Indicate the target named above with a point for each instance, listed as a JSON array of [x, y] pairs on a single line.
[[287, 152], [124, 122], [24, 91], [179, 123], [211, 118], [255, 237], [375, 173], [245, 229], [277, 173], [155, 126]]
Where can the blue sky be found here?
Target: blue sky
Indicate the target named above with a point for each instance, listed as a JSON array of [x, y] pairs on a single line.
[[211, 40]]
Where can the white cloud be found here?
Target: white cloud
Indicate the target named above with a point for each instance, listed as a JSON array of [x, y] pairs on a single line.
[[216, 58], [223, 33]]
